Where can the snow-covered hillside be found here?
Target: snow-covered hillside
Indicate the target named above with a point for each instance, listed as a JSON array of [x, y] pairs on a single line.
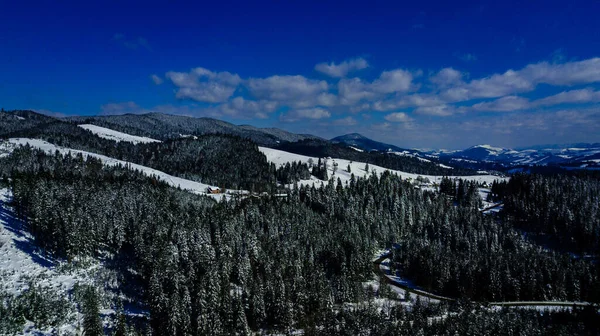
[[280, 158], [21, 261], [192, 186], [23, 264], [107, 133]]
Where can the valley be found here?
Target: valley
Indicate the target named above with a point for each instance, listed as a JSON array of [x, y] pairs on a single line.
[[124, 232]]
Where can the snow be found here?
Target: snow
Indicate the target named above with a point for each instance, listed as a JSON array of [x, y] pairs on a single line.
[[191, 186], [21, 262], [493, 150], [537, 305], [463, 160], [483, 194], [107, 133], [414, 290], [444, 166], [280, 158], [357, 149], [409, 154]]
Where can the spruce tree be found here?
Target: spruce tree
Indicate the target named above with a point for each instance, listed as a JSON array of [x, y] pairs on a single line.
[[92, 324]]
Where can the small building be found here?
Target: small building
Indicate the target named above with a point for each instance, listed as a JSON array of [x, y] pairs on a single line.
[[213, 190]]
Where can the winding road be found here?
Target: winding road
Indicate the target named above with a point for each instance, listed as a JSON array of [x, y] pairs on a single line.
[[377, 263]]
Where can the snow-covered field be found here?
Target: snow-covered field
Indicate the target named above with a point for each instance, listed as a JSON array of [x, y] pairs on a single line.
[[280, 158], [192, 186], [107, 133]]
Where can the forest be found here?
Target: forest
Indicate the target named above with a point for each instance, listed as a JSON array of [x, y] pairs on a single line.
[[281, 264]]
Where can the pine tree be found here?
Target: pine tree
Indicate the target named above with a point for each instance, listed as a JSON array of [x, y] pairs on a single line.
[[92, 325]]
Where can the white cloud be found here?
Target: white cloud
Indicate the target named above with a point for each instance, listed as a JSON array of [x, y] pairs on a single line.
[[565, 74], [413, 100], [515, 103], [573, 96], [446, 77], [239, 107], [206, 92], [526, 80], [286, 88], [156, 79], [312, 113], [504, 104], [437, 110], [497, 85], [398, 117], [353, 90], [203, 85], [342, 69], [393, 81], [393, 90]]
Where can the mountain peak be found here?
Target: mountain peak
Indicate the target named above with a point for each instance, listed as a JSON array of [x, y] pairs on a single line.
[[362, 142], [489, 148], [350, 136]]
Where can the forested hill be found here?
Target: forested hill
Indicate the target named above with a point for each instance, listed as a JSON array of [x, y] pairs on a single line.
[[279, 265], [217, 159], [14, 121], [409, 164], [67, 134], [165, 126], [184, 264]]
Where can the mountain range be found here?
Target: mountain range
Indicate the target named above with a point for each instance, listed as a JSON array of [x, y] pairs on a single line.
[[568, 155], [164, 126]]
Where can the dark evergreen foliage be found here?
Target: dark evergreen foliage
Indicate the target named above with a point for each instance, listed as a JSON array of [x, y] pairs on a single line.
[[322, 148], [561, 210], [282, 263]]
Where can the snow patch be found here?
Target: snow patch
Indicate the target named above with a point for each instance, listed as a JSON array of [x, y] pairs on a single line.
[[191, 186], [109, 134], [280, 158]]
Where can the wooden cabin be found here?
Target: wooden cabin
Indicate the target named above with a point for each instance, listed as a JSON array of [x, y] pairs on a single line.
[[213, 190]]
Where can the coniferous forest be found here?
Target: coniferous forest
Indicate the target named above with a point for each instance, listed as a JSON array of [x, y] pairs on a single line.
[[302, 263]]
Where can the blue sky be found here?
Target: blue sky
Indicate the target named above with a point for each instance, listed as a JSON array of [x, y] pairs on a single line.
[[432, 74]]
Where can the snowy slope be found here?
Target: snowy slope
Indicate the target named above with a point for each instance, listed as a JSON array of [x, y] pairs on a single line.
[[22, 263], [280, 158], [192, 186], [107, 133], [20, 260]]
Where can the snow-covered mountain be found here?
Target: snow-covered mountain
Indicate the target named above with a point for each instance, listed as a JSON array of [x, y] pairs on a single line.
[[359, 141], [165, 126], [487, 156], [539, 155]]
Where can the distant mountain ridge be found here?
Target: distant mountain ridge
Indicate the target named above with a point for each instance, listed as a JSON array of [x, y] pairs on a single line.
[[165, 126], [361, 142], [486, 156], [535, 155]]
